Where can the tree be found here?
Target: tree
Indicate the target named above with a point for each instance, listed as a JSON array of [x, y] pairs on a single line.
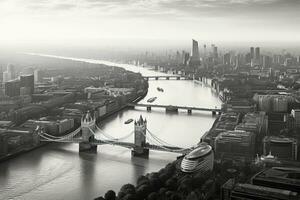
[[110, 195]]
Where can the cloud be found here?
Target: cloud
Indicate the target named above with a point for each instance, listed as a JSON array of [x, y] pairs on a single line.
[[149, 18]]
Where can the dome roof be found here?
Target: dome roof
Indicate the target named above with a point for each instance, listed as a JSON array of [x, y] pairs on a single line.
[[200, 151]]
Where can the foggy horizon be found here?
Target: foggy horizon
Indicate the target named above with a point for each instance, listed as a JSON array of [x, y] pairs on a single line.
[[134, 23]]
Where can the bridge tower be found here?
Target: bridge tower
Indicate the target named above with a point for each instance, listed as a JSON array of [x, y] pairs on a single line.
[[88, 124], [140, 130]]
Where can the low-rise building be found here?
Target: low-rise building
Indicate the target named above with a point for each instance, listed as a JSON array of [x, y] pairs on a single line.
[[279, 177], [235, 145], [52, 127], [281, 147], [241, 191]]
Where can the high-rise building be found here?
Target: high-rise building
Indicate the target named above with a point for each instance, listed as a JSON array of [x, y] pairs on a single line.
[[226, 59], [9, 74], [12, 71], [248, 58], [257, 53], [5, 76], [38, 76], [185, 58], [215, 52], [195, 56], [27, 81], [267, 61], [251, 52], [12, 88]]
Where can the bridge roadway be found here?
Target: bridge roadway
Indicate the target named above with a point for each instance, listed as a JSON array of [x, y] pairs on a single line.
[[165, 77], [147, 146], [173, 107], [128, 145]]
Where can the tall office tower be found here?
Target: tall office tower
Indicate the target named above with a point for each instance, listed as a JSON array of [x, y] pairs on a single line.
[[185, 58], [1, 74], [257, 53], [204, 58], [248, 58], [5, 77], [38, 76], [12, 88], [226, 59], [267, 61], [27, 81], [178, 57], [251, 52], [215, 52], [11, 71], [237, 61], [195, 56]]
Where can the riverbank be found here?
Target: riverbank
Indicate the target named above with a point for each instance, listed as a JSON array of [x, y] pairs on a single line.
[[21, 152]]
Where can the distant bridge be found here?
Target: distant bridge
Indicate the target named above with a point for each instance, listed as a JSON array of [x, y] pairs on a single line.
[[172, 108], [89, 136], [165, 77]]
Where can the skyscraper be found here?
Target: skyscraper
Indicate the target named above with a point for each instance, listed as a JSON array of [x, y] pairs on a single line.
[[257, 53], [195, 56], [12, 88], [215, 52], [28, 82], [251, 52], [226, 59], [267, 61], [10, 73]]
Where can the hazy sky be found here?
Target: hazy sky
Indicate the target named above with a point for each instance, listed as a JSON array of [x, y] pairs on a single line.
[[42, 21]]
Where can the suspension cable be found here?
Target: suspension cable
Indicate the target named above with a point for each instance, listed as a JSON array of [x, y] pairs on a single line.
[[52, 137], [113, 138], [164, 142]]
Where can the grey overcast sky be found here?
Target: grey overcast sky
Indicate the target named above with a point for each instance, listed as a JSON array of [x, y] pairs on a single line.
[[89, 20]]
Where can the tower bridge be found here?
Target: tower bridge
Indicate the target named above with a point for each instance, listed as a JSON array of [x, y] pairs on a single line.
[[89, 136]]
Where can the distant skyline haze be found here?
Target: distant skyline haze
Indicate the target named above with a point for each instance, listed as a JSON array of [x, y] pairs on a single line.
[[35, 22]]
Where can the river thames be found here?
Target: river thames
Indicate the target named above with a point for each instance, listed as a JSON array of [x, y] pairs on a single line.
[[58, 172]]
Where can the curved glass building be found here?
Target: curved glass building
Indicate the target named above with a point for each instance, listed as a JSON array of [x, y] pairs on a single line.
[[200, 159]]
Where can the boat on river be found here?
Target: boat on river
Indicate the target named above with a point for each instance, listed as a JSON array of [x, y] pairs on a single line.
[[151, 99], [160, 89], [128, 121]]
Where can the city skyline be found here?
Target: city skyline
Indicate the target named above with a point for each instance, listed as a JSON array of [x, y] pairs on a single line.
[[74, 21]]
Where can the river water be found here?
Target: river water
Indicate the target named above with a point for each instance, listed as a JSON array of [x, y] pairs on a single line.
[[58, 172]]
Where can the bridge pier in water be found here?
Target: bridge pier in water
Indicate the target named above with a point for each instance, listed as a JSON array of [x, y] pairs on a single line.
[[189, 111], [148, 108], [140, 130], [88, 124]]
